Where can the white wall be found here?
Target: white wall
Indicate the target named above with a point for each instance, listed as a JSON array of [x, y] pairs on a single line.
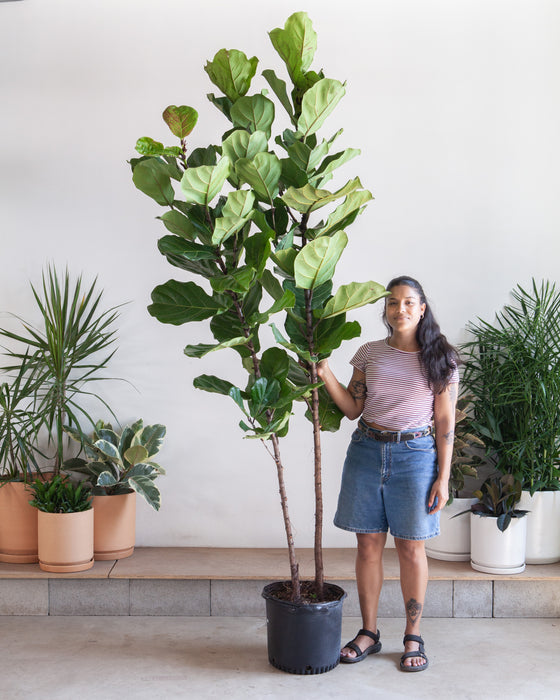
[[455, 105]]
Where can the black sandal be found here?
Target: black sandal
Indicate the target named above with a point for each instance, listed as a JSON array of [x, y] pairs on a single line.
[[361, 655], [411, 654]]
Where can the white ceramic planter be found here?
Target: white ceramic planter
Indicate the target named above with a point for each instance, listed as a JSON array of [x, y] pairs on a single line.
[[496, 552], [543, 526], [454, 541]]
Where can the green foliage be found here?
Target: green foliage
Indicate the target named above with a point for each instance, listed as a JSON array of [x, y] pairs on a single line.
[[497, 499], [120, 462], [247, 220], [60, 495], [512, 370], [19, 426], [464, 460], [61, 358], [244, 224]]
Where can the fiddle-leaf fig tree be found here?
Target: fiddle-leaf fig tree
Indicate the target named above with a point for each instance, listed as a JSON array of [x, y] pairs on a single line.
[[246, 216]]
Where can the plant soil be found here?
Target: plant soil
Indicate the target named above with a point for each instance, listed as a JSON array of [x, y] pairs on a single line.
[[283, 591]]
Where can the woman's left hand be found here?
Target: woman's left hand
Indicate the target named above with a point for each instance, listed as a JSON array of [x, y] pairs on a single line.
[[439, 496]]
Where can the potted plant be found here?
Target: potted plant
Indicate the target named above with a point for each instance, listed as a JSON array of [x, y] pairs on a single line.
[[244, 215], [53, 365], [65, 524], [454, 541], [498, 527], [18, 436], [512, 368], [118, 466]]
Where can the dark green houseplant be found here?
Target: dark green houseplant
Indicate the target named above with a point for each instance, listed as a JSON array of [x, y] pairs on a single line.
[[251, 216], [65, 524], [512, 370]]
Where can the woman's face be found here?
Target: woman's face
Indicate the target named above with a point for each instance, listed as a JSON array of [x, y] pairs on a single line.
[[404, 309]]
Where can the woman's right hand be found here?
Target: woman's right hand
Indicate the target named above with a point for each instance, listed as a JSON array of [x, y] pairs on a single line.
[[322, 368]]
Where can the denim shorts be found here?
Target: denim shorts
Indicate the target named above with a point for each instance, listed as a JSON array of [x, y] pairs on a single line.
[[386, 486]]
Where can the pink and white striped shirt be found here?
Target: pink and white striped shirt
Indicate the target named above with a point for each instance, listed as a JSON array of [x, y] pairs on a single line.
[[398, 396]]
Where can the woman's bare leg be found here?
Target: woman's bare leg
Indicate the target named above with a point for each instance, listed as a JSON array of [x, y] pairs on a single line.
[[369, 577], [414, 581]]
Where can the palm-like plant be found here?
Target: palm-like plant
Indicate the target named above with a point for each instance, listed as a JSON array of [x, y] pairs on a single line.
[[63, 356], [512, 369], [18, 426]]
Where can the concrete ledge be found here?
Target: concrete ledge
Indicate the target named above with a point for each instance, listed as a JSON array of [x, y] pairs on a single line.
[[228, 582]]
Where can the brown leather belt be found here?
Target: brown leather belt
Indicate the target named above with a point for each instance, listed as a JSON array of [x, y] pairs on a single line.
[[392, 435]]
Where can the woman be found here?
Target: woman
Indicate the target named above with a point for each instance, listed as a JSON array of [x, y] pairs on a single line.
[[396, 473]]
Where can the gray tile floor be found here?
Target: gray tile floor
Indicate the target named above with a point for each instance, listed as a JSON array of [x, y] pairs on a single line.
[[211, 657]]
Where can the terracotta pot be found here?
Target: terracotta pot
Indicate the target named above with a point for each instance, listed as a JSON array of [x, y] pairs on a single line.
[[65, 541], [18, 524], [543, 526], [114, 526]]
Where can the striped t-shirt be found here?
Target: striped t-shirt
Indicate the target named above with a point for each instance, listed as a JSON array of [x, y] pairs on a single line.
[[398, 396]]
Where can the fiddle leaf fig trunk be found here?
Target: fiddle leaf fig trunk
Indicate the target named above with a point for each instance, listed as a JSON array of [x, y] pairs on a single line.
[[243, 216]]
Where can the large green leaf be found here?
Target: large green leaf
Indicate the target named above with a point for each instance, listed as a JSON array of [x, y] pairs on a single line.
[[173, 245], [317, 104], [241, 144], [232, 72], [262, 174], [279, 88], [286, 301], [257, 251], [181, 120], [307, 199], [239, 280], [235, 214], [181, 302], [353, 296], [151, 177], [331, 163], [285, 259], [200, 185], [300, 352], [331, 332], [203, 349], [330, 416], [296, 45], [315, 263], [255, 113], [346, 212], [178, 224], [275, 364], [148, 147], [212, 384]]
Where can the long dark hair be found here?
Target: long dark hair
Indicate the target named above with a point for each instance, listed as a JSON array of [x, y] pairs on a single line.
[[438, 357]]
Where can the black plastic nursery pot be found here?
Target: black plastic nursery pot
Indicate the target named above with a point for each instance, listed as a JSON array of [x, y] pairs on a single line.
[[303, 638]]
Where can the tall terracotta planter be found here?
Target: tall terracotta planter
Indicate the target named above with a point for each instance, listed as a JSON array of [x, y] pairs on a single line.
[[114, 526], [543, 526], [65, 541], [18, 525]]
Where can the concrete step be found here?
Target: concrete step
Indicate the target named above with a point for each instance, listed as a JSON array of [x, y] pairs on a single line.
[[195, 581]]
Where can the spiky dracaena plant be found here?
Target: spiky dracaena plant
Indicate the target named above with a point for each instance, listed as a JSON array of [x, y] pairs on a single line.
[[245, 215]]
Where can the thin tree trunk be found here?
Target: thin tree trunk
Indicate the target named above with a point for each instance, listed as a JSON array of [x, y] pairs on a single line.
[[318, 545], [294, 568]]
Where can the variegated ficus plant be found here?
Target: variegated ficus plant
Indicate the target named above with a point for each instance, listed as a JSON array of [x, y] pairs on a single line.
[[253, 218]]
